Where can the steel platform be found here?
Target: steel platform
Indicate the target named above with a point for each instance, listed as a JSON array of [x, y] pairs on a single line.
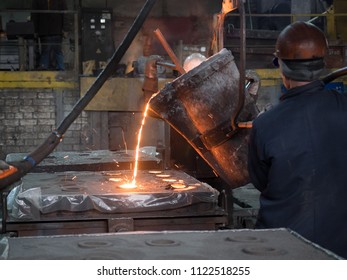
[[75, 202], [277, 244]]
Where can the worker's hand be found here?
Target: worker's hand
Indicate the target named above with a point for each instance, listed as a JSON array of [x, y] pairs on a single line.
[[151, 70], [65, 34], [3, 165]]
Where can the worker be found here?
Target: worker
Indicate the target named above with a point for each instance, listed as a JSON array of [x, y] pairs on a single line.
[[50, 28], [297, 150]]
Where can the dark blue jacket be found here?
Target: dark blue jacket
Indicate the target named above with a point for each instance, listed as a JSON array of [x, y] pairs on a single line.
[[298, 161]]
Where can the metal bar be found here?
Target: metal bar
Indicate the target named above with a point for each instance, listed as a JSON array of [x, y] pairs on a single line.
[[77, 51], [166, 64], [169, 51], [3, 205], [37, 11], [334, 75], [241, 100]]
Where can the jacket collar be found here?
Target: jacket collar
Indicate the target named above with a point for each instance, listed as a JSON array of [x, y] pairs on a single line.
[[308, 88]]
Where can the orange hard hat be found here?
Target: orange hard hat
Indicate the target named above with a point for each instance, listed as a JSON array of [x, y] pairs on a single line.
[[301, 40]]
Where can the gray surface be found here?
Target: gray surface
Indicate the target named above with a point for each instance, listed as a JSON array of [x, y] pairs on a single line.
[[97, 160], [228, 244]]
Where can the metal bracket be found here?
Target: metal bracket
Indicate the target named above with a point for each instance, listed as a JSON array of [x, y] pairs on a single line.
[[3, 205], [218, 135]]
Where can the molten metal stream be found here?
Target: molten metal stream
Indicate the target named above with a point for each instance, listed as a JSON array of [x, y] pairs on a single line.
[[132, 185]]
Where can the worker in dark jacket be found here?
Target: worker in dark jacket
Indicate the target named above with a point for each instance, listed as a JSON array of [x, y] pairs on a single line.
[[298, 149], [50, 28]]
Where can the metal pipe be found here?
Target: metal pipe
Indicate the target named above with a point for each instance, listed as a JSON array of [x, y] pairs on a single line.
[[334, 75], [3, 206], [56, 136], [242, 66], [76, 47], [169, 51], [167, 65]]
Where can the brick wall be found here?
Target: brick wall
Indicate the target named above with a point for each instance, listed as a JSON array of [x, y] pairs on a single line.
[[28, 116]]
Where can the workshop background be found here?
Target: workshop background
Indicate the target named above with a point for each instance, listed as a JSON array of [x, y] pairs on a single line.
[[32, 103]]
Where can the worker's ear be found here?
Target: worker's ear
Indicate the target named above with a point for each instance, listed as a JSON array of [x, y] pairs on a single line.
[[286, 81]]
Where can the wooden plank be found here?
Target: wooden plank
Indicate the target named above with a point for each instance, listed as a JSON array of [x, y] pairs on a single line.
[[117, 94]]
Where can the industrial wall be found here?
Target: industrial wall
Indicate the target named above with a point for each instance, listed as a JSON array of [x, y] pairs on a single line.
[[28, 116]]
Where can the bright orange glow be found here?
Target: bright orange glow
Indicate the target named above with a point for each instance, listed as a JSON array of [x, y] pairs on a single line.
[[163, 175], [154, 172], [169, 180], [131, 185], [178, 186]]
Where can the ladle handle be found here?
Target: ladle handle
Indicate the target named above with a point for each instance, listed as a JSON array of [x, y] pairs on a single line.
[[169, 51], [334, 75]]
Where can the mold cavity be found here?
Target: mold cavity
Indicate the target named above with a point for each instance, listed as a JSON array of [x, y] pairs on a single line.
[[71, 189], [169, 180], [163, 175], [244, 238], [178, 186], [96, 158], [162, 242], [94, 244], [111, 174], [155, 172], [263, 251]]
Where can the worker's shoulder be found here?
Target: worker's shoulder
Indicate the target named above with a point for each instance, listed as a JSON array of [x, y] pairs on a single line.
[[268, 113], [333, 98]]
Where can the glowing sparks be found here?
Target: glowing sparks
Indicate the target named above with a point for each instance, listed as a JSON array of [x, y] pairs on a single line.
[[127, 185]]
